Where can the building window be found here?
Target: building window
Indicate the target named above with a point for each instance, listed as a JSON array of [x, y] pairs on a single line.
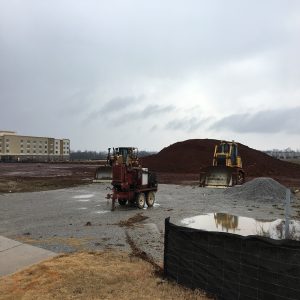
[[7, 150], [28, 151], [45, 151], [21, 145], [56, 152], [7, 140], [21, 151], [33, 151]]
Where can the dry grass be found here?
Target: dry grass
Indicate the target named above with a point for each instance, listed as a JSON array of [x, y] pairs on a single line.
[[103, 275]]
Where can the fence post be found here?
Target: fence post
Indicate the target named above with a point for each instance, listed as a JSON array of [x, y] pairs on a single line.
[[167, 224], [287, 212]]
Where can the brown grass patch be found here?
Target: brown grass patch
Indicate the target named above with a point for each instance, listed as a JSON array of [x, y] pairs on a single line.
[[103, 275]]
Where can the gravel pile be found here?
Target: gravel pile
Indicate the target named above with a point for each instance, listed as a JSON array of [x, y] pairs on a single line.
[[259, 189]]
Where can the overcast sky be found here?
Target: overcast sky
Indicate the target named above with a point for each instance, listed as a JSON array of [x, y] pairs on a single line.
[[151, 73]]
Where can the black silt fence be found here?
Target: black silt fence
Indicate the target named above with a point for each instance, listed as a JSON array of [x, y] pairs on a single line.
[[230, 266]]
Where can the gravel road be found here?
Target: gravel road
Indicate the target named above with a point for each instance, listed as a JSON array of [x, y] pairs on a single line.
[[79, 218]]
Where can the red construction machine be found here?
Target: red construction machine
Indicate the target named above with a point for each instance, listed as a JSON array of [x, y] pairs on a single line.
[[131, 183]]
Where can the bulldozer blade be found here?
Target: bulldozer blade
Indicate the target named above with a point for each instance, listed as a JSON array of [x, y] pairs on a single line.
[[103, 174], [216, 176]]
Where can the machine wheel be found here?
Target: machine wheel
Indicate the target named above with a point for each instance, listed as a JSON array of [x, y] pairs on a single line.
[[122, 201], [140, 200], [150, 199]]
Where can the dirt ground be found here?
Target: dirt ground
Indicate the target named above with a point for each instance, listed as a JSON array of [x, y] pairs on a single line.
[[33, 177], [93, 275], [78, 219]]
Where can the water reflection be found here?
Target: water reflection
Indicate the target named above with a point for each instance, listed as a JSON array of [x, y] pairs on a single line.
[[223, 222], [226, 221]]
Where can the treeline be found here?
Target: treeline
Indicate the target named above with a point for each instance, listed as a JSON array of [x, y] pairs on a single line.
[[94, 155]]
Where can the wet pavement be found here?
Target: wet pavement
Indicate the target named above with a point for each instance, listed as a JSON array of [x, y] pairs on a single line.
[[80, 218]]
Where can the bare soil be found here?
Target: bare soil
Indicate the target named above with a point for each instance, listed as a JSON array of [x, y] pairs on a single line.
[[93, 275], [33, 177]]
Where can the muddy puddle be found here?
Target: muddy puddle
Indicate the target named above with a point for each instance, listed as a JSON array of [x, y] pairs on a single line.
[[223, 222]]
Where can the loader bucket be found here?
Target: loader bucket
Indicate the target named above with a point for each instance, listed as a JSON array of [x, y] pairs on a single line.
[[103, 174], [217, 176]]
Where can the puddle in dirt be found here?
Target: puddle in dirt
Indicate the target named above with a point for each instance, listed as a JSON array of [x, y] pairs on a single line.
[[82, 208], [223, 222], [84, 196]]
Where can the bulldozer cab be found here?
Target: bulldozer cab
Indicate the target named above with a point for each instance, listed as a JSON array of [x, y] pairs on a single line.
[[226, 154]]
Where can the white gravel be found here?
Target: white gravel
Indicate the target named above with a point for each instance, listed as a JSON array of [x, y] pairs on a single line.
[[258, 190]]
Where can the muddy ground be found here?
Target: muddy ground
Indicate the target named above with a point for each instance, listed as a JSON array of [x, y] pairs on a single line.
[[33, 177], [79, 218], [64, 212]]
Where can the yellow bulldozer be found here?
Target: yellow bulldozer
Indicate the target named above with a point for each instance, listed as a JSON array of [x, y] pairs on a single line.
[[226, 169]]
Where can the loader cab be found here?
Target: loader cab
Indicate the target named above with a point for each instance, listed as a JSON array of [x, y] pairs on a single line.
[[126, 155]]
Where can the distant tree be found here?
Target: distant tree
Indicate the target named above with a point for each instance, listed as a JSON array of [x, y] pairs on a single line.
[[87, 155], [94, 155]]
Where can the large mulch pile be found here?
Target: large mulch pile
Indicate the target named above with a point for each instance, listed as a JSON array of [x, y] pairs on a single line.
[[191, 155]]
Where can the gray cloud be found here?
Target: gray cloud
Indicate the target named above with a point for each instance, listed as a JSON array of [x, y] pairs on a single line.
[[266, 121], [186, 124], [112, 107], [149, 111], [118, 104], [61, 62]]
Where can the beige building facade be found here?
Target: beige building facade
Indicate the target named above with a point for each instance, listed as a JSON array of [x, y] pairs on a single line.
[[15, 147]]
